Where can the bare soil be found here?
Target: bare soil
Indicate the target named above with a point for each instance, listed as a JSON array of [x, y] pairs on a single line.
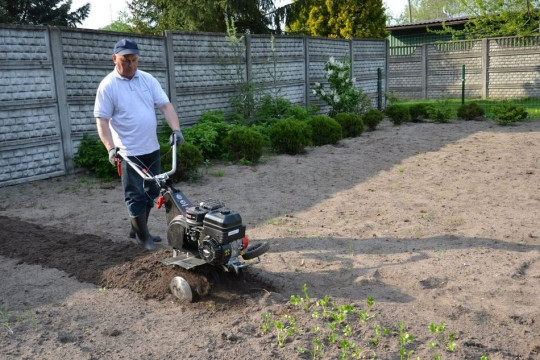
[[439, 223]]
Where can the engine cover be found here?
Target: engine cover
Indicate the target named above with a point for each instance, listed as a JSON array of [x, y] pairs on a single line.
[[223, 225], [214, 253]]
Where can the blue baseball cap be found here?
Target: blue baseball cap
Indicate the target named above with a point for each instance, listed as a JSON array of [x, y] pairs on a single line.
[[125, 46]]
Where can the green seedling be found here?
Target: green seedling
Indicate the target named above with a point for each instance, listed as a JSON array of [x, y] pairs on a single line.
[[298, 300], [345, 346], [365, 315], [285, 329], [443, 340], [218, 174], [404, 338], [102, 290], [4, 320], [324, 304], [267, 324], [316, 352]]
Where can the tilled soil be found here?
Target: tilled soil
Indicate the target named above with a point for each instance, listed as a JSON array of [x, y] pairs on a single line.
[[438, 223]]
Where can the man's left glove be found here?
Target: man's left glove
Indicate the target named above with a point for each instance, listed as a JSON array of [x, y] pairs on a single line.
[[112, 156], [177, 134]]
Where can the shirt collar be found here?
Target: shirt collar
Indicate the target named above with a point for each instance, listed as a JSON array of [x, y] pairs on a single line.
[[117, 75]]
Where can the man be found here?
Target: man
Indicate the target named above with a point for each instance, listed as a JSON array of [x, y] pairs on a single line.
[[126, 122]]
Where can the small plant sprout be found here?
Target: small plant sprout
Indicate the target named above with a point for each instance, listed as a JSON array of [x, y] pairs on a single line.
[[266, 323], [365, 315], [443, 340], [323, 303], [4, 320], [297, 300], [404, 338], [285, 329], [102, 290]]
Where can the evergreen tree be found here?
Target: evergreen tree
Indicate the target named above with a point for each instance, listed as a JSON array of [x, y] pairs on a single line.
[[249, 16], [42, 12], [340, 19]]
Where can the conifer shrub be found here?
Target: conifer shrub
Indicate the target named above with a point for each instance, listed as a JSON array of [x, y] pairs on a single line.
[[470, 111], [397, 113], [188, 160], [372, 119], [507, 113], [290, 136], [324, 130], [352, 125], [244, 144], [418, 112], [93, 156]]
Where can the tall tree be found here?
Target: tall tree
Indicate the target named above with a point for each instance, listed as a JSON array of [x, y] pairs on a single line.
[[42, 12], [340, 19], [249, 16]]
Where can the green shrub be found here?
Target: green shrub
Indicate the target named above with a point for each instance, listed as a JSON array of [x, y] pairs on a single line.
[[188, 160], [418, 112], [270, 109], [352, 125], [397, 113], [507, 112], [93, 156], [289, 136], [440, 112], [300, 113], [324, 130], [208, 134], [372, 119], [244, 144], [470, 111]]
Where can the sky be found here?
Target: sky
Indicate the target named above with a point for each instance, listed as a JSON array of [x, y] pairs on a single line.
[[104, 12]]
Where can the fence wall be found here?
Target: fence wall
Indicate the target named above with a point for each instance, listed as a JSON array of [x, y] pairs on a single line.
[[498, 68], [49, 76]]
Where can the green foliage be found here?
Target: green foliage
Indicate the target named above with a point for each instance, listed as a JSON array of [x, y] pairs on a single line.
[[470, 111], [342, 96], [418, 112], [507, 113], [496, 18], [156, 16], [338, 19], [352, 125], [372, 119], [441, 111], [188, 160], [244, 144], [324, 130], [289, 136], [397, 113], [208, 134], [300, 113], [93, 156], [270, 109], [44, 12]]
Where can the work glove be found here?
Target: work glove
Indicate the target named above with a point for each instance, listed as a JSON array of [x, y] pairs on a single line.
[[177, 134], [112, 156]]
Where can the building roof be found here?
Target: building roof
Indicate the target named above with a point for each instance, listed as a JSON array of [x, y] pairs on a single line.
[[431, 23]]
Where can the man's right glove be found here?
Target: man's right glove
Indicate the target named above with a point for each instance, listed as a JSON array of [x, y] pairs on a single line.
[[112, 156], [177, 134]]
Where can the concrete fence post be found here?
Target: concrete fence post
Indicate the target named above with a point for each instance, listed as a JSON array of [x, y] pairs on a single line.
[[171, 73], [59, 78]]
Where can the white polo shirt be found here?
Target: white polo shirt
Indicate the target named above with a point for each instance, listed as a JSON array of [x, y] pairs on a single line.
[[130, 106]]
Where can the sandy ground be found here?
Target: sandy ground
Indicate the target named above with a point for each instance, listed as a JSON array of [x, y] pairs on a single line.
[[438, 223]]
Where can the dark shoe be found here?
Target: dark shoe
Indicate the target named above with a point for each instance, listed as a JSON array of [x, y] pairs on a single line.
[[140, 228], [132, 234]]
